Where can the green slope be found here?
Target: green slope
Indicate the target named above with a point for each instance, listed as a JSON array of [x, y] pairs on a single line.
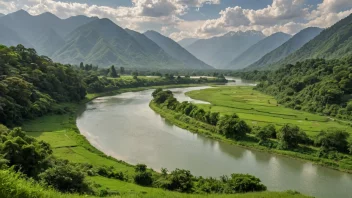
[[332, 43], [176, 51], [296, 42]]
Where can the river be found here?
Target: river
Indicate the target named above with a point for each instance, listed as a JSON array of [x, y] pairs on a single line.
[[123, 126]]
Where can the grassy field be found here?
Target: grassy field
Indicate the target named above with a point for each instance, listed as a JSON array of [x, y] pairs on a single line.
[[61, 133], [258, 109]]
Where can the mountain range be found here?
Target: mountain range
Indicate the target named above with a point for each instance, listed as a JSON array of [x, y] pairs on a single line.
[[102, 42], [91, 40], [220, 51], [331, 43], [258, 50], [176, 50], [296, 42], [187, 41]]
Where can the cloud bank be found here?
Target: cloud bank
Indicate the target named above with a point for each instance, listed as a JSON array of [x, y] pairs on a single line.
[[289, 16]]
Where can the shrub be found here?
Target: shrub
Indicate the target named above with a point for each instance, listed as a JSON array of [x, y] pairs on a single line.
[[143, 177]]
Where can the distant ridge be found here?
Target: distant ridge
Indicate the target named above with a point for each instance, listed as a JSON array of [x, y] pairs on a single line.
[[258, 50], [296, 42], [176, 51], [187, 41], [220, 51], [331, 43]]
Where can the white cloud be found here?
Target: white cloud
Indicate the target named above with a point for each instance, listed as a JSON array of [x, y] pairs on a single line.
[[289, 16]]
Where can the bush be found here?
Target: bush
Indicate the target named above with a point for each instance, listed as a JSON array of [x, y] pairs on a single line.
[[66, 178], [143, 177]]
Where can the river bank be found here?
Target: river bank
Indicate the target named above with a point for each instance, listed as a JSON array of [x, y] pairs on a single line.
[[61, 132]]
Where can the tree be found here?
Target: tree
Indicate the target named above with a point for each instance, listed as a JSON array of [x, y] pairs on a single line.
[[81, 66], [112, 72], [142, 176], [290, 136], [266, 132], [181, 180], [65, 178], [333, 140], [242, 183], [162, 96], [24, 153], [135, 75], [233, 127], [122, 70]]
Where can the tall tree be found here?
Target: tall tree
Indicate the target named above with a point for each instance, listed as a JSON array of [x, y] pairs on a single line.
[[112, 72]]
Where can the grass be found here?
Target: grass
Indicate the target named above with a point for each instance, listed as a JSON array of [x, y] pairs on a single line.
[[250, 142], [61, 133], [258, 109], [12, 185]]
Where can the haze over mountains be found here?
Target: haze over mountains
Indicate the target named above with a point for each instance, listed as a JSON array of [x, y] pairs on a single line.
[[187, 41], [258, 50], [331, 43], [91, 40], [175, 50], [101, 42], [220, 51], [296, 42]]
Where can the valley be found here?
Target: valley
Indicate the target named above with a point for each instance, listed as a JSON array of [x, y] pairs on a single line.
[[135, 98]]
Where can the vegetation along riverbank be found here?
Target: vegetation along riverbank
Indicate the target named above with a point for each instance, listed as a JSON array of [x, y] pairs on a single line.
[[48, 157], [236, 115]]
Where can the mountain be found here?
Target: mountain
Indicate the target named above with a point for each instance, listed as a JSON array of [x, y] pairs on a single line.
[[187, 41], [102, 42], [154, 50], [9, 37], [220, 51], [1, 15], [176, 51], [258, 50], [45, 32], [332, 43], [296, 42]]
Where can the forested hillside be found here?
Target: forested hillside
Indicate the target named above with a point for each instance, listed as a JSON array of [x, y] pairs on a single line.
[[332, 43], [176, 51], [318, 85], [30, 85], [296, 42], [44, 32]]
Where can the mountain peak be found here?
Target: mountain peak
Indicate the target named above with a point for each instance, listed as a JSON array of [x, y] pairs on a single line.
[[48, 15], [21, 13]]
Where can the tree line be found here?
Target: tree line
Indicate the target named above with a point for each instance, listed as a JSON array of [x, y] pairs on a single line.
[[317, 85], [33, 85], [332, 143]]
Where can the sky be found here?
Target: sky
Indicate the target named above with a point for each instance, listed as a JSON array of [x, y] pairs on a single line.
[[180, 19]]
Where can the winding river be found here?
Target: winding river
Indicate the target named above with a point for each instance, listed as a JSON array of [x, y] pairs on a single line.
[[124, 127]]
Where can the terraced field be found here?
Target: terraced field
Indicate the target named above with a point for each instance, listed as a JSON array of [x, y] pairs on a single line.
[[258, 109]]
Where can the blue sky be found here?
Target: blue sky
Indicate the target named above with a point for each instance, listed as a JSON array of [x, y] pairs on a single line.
[[180, 19]]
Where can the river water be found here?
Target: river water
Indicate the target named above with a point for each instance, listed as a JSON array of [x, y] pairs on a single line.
[[123, 126]]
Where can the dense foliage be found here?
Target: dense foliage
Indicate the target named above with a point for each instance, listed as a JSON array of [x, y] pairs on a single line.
[[30, 85], [314, 85], [229, 126], [33, 85], [331, 144]]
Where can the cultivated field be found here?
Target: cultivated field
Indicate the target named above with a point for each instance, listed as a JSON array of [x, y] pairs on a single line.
[[258, 109]]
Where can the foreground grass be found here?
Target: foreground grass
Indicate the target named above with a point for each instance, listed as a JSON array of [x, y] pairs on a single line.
[[258, 109], [61, 133], [12, 185]]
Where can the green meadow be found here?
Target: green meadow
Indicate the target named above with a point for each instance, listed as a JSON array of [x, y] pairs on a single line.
[[258, 109]]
